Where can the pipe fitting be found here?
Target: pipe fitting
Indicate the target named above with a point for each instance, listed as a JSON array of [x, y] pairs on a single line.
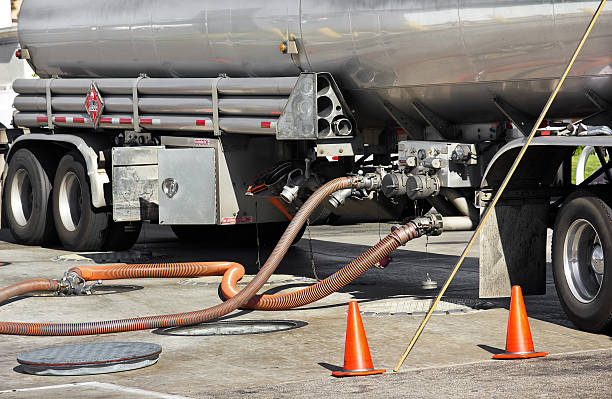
[[339, 197], [72, 283], [422, 186], [371, 181]]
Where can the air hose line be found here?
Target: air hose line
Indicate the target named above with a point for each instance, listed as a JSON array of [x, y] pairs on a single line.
[[232, 272]]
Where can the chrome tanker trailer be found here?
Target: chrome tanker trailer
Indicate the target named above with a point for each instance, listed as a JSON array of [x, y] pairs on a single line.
[[199, 114]]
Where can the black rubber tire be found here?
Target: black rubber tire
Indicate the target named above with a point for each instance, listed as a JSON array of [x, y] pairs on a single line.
[[38, 228], [90, 230], [234, 236], [596, 315], [122, 235]]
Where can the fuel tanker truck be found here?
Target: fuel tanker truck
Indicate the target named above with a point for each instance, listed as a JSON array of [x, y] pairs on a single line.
[[214, 117]]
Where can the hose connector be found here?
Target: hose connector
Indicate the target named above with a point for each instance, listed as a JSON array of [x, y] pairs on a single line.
[[73, 284], [431, 224], [371, 181]]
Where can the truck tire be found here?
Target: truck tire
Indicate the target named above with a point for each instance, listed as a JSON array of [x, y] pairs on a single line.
[[122, 235], [582, 261], [27, 197], [79, 226]]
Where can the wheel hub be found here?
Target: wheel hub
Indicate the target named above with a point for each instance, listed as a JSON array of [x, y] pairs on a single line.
[[597, 259], [583, 261], [22, 197], [70, 201]]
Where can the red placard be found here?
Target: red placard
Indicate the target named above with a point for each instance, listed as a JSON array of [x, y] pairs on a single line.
[[94, 105]]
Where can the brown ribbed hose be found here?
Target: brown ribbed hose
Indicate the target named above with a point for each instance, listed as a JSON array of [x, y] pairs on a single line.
[[324, 287], [232, 272], [199, 316], [26, 287]]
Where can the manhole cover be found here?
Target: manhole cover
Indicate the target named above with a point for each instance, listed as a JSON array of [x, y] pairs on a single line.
[[240, 327], [96, 358]]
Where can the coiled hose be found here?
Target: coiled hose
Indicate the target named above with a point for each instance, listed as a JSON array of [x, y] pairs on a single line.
[[231, 271]]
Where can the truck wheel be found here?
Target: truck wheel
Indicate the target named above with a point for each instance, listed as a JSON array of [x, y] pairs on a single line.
[[122, 235], [79, 226], [27, 194], [582, 261]]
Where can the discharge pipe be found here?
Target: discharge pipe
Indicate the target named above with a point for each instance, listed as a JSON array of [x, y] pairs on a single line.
[[74, 280]]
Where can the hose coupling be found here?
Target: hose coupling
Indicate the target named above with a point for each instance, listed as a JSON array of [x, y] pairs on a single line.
[[339, 197], [431, 224], [73, 284], [370, 181]]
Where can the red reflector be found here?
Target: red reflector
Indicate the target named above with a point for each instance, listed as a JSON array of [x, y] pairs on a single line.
[[18, 53], [276, 112], [509, 125], [42, 119], [201, 122], [106, 120], [545, 133], [146, 121], [78, 120], [60, 119], [123, 121], [266, 125], [335, 158]]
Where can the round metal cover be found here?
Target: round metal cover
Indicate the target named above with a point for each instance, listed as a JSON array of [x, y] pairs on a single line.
[[96, 358], [238, 327]]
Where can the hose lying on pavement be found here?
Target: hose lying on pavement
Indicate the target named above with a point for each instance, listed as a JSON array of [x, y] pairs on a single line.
[[244, 298]]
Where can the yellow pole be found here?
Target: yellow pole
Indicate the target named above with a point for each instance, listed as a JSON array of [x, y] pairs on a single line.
[[501, 189]]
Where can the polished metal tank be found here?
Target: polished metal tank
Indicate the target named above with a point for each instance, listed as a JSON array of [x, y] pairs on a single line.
[[454, 56]]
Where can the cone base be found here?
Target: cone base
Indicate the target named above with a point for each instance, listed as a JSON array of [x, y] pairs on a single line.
[[528, 355], [356, 373]]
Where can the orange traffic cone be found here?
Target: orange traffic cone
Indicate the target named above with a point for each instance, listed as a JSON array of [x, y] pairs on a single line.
[[357, 359], [519, 344]]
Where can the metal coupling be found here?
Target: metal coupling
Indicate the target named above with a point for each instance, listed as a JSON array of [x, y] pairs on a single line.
[[431, 224], [73, 284], [289, 193], [338, 198], [371, 181], [291, 189]]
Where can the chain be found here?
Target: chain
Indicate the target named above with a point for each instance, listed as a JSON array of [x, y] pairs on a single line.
[[258, 262], [378, 205], [312, 262]]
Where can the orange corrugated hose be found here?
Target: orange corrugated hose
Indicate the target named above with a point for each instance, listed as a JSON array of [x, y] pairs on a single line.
[[231, 271]]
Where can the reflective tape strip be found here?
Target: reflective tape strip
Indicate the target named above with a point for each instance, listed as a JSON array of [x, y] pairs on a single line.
[[200, 122], [266, 125], [116, 121], [42, 119], [146, 121], [60, 119]]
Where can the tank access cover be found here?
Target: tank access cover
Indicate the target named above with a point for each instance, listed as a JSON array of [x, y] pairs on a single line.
[[83, 359]]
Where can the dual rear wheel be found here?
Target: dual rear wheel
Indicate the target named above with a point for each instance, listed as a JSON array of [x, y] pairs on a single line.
[[42, 203]]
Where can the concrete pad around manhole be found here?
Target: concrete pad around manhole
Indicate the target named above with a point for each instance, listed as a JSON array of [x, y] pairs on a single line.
[[419, 307]]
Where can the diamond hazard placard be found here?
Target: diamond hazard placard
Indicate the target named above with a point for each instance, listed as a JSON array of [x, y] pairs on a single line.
[[94, 104]]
